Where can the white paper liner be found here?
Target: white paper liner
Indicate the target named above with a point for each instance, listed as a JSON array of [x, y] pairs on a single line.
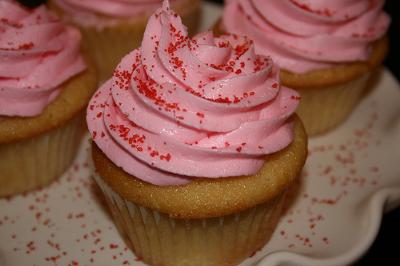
[[322, 109], [158, 239], [35, 162]]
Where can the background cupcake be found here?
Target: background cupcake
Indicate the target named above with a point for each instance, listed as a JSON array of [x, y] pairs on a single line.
[[112, 28], [327, 51], [44, 88], [195, 145]]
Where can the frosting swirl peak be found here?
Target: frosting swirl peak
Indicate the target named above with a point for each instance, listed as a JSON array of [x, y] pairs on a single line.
[[182, 107]]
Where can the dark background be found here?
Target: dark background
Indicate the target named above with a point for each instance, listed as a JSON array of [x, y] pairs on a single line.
[[384, 249]]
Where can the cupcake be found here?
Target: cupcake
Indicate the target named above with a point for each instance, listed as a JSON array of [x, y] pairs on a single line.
[[327, 50], [112, 28], [45, 86], [194, 145]]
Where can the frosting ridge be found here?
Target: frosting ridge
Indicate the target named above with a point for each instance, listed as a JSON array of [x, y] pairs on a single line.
[[103, 13], [179, 108], [37, 54], [121, 8], [305, 35]]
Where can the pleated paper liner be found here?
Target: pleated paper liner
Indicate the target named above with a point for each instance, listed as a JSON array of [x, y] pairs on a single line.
[[35, 162], [158, 239]]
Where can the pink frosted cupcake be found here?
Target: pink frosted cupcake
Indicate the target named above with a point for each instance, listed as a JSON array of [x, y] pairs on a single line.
[[45, 86], [194, 145], [112, 28], [327, 49]]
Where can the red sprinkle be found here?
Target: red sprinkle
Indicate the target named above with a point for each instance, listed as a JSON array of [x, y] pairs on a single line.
[[113, 246], [200, 114]]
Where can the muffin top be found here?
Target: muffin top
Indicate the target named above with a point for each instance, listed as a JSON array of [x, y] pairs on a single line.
[[303, 36], [180, 108], [37, 54]]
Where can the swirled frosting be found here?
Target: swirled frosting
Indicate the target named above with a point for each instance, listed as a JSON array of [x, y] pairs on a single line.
[[305, 35], [84, 12], [179, 108], [37, 54]]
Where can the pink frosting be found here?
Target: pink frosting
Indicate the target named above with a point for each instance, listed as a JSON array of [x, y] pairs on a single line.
[[179, 107], [37, 54], [84, 12], [305, 35]]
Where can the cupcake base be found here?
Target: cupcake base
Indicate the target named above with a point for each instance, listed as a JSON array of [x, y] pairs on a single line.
[[36, 150], [158, 239], [208, 221], [35, 162], [325, 108], [328, 96]]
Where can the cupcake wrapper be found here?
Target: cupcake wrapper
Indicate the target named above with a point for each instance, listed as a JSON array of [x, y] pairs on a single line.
[[158, 239], [322, 109], [107, 46], [35, 162]]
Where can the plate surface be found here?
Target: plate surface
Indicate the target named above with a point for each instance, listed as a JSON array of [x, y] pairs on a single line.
[[351, 177]]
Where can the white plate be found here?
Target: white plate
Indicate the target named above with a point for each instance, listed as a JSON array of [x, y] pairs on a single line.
[[351, 177]]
